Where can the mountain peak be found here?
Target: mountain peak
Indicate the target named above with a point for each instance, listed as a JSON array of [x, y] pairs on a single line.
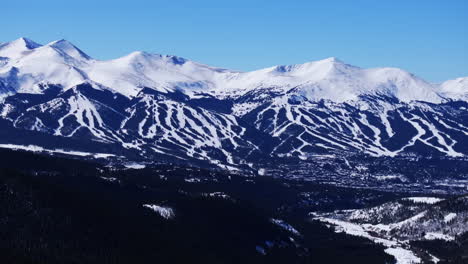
[[136, 56], [60, 42], [143, 55], [456, 89], [320, 67], [70, 49], [329, 78], [25, 42], [17, 48], [332, 60]]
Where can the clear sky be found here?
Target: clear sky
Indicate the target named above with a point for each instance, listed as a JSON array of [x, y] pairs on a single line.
[[426, 37]]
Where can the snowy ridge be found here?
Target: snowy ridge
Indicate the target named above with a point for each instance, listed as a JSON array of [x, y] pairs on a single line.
[[17, 48], [334, 80], [169, 106], [455, 89], [325, 79]]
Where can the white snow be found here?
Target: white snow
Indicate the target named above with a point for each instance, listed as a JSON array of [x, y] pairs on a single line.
[[29, 68], [192, 180], [433, 236], [403, 256], [261, 172], [455, 89], [324, 79], [449, 217], [329, 79], [68, 48], [217, 195], [434, 259], [103, 155], [165, 212], [388, 177], [335, 80], [133, 165], [394, 248], [32, 148], [426, 200], [109, 179], [35, 148], [17, 48]]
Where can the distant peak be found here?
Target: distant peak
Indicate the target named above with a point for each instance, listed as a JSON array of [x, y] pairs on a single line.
[[24, 42], [59, 41], [140, 53], [136, 55], [23, 39], [68, 47], [62, 43], [17, 48], [324, 65], [331, 60]]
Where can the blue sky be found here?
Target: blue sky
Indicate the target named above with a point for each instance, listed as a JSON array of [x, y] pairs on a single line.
[[426, 37]]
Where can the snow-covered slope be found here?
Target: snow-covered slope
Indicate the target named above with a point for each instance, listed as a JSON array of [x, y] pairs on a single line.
[[455, 89], [337, 81], [129, 74], [62, 63], [329, 79], [167, 105], [69, 49], [28, 65], [17, 48]]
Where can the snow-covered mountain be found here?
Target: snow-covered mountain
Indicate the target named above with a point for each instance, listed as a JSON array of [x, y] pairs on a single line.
[[29, 65], [330, 78], [337, 81], [455, 89], [167, 106]]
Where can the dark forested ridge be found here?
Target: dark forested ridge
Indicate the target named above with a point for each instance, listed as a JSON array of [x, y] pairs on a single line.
[[56, 210]]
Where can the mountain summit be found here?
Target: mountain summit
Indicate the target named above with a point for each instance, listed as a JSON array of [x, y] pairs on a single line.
[[329, 79], [69, 49], [17, 48]]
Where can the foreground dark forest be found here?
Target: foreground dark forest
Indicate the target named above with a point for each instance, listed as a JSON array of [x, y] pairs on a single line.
[[57, 210]]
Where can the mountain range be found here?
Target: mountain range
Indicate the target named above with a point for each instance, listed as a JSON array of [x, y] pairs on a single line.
[[147, 107]]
